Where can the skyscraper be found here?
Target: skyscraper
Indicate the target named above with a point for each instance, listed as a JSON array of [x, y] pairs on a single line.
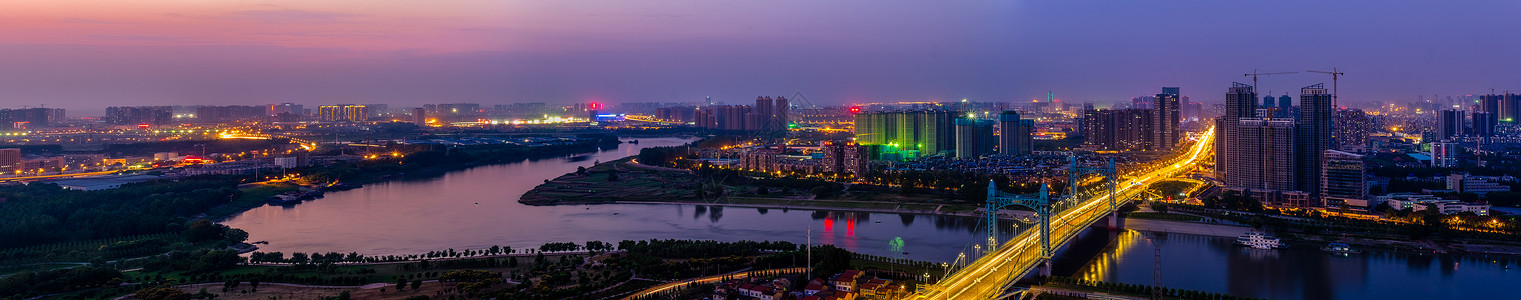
[[761, 116], [1312, 137], [1285, 107], [1351, 129], [1267, 101], [1166, 132], [923, 132], [1240, 102], [1118, 129], [1344, 178], [1483, 124], [1449, 124], [1507, 107], [1015, 135], [419, 117], [974, 137], [1264, 159], [1444, 154]]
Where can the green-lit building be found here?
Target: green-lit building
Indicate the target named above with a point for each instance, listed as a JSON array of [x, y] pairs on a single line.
[[907, 134]]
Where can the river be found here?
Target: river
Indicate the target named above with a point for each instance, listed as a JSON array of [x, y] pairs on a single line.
[[477, 208], [1214, 264]]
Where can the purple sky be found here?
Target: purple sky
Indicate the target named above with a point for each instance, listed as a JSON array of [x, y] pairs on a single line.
[[85, 55]]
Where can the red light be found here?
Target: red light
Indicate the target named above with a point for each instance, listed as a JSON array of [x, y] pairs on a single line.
[[855, 109], [143, 126], [595, 106]]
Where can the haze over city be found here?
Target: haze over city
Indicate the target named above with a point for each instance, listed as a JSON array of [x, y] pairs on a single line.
[[76, 54]]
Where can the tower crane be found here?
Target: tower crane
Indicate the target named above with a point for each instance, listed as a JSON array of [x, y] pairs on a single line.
[[1254, 75], [1334, 76]]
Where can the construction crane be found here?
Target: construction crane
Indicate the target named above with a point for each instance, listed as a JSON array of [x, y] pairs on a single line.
[[1254, 75], [1334, 76]]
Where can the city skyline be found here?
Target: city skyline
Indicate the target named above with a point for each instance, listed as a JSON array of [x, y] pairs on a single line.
[[170, 53]]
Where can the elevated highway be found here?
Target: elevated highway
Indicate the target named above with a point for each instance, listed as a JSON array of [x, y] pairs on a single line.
[[990, 275]]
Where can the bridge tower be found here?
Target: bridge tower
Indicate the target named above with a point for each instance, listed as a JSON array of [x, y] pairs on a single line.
[[1040, 202], [1077, 170]]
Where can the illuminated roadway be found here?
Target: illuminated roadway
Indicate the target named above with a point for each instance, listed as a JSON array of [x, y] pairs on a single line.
[[987, 277]]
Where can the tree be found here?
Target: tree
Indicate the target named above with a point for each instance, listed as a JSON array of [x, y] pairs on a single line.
[[298, 258], [401, 284], [580, 170], [416, 283], [161, 293], [235, 235], [1159, 207]]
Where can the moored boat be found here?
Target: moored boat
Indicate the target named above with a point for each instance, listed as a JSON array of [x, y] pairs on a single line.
[[1258, 240], [1339, 248]]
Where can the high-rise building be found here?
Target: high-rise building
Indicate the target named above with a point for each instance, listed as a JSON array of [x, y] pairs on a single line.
[[1166, 131], [1351, 130], [10, 160], [1483, 124], [1119, 129], [1284, 103], [779, 113], [1449, 124], [1344, 178], [219, 114], [31, 117], [290, 109], [1444, 154], [1312, 137], [727, 117], [1507, 107], [770, 114], [1265, 158], [1015, 136], [133, 115], [342, 112], [921, 132], [419, 116], [357, 113], [1240, 102], [845, 158], [762, 115], [1267, 101], [974, 137]]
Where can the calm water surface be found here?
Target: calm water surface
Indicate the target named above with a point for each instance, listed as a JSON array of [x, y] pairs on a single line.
[[477, 208], [1301, 272]]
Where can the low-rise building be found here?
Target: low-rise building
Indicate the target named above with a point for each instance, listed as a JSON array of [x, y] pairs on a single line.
[[846, 281], [1463, 183], [1420, 202]]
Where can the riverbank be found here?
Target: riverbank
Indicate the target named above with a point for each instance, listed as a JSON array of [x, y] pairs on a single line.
[[1362, 242], [625, 182]]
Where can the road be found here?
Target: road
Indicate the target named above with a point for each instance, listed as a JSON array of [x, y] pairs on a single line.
[[57, 176], [987, 277]]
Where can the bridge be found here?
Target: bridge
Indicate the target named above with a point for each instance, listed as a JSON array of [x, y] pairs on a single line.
[[1057, 222]]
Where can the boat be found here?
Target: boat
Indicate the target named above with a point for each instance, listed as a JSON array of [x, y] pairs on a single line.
[[1340, 248], [1258, 240]]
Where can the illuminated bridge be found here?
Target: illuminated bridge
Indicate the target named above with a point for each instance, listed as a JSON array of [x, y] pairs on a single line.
[[1058, 221]]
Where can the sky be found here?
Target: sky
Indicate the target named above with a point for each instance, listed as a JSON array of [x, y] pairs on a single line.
[[84, 54]]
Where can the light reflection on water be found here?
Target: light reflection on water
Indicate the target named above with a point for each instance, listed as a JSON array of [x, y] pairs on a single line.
[[1214, 264], [478, 208]]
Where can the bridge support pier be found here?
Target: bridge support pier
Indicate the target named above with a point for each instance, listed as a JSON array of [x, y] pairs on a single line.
[[1045, 268], [1115, 222]]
